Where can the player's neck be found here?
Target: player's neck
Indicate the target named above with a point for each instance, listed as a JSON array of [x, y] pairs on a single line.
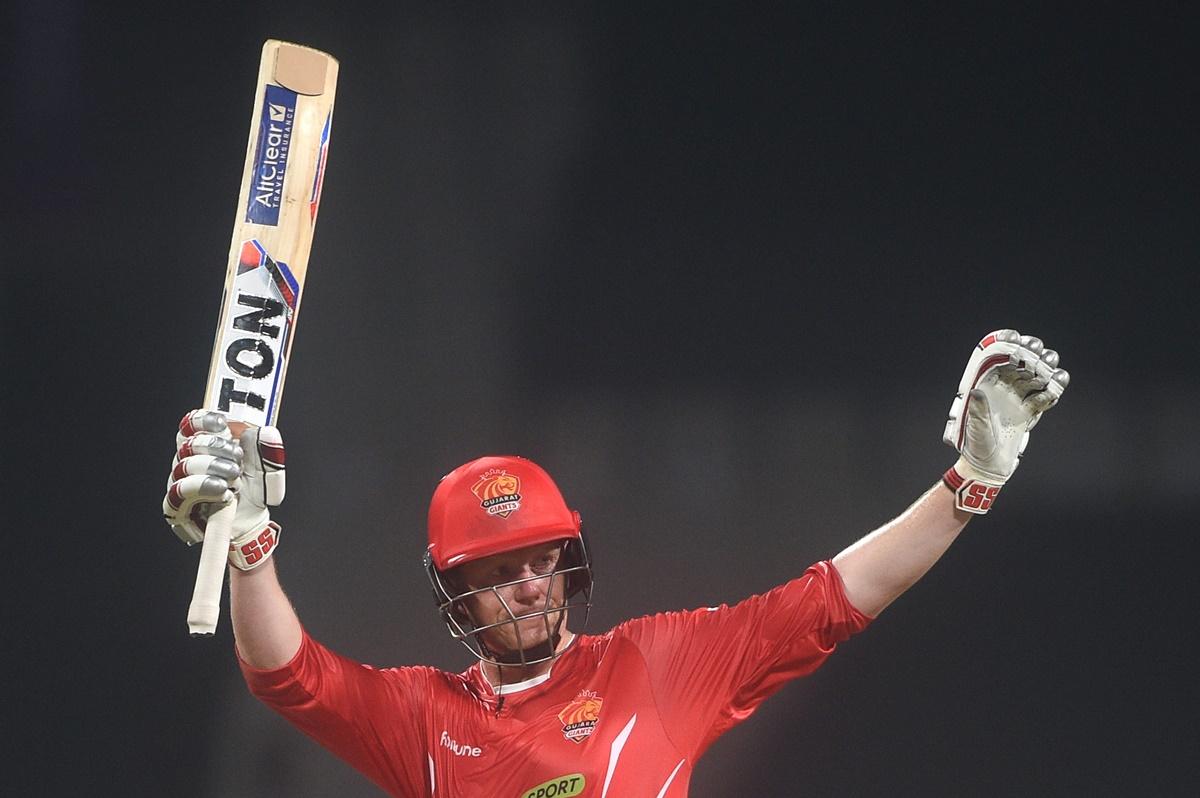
[[499, 676]]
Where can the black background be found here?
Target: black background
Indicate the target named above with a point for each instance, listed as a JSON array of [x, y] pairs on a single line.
[[718, 269]]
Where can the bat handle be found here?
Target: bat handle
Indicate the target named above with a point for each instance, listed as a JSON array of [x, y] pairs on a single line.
[[205, 608]]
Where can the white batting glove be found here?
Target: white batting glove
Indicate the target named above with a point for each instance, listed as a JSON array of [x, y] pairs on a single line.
[[1010, 380], [210, 468]]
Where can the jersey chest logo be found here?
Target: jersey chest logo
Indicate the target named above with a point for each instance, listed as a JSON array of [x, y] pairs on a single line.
[[579, 718]]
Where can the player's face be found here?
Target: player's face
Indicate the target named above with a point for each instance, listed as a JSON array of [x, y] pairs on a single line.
[[527, 599]]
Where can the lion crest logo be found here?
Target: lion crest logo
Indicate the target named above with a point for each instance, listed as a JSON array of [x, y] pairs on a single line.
[[499, 492], [579, 718]]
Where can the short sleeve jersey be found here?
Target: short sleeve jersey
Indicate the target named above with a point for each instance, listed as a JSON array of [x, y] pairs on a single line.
[[627, 713]]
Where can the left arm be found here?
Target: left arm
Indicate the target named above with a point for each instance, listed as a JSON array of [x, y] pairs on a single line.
[[1010, 380], [890, 560]]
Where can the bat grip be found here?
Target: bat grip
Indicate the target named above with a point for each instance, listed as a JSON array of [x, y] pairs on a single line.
[[205, 608]]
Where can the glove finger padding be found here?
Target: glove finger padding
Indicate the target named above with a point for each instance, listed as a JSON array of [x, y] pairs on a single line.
[[207, 465], [209, 444], [1024, 381], [210, 468], [1045, 399], [190, 501], [1010, 381], [203, 473], [198, 421]]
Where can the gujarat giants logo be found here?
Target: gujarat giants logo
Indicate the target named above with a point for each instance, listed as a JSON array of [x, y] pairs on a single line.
[[579, 718], [499, 492]]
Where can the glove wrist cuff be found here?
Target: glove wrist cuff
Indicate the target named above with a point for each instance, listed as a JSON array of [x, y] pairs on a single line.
[[974, 491], [250, 551]]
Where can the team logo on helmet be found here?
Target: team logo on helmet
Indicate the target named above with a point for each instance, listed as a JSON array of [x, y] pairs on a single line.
[[579, 718], [499, 492]]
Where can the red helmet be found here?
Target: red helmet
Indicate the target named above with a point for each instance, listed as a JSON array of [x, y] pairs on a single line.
[[495, 504]]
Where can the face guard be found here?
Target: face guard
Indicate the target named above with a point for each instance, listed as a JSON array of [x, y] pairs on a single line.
[[573, 569]]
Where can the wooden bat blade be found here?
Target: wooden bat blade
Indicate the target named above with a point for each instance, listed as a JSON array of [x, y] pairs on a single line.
[[273, 231]]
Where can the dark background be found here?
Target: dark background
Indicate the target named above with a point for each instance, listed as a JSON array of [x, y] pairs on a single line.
[[717, 269]]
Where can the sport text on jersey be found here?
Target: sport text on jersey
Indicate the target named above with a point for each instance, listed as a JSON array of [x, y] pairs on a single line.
[[560, 787]]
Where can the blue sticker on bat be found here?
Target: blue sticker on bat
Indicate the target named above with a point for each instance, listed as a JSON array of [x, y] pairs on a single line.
[[271, 155]]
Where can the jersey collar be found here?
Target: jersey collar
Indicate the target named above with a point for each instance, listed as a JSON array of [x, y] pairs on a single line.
[[527, 684]]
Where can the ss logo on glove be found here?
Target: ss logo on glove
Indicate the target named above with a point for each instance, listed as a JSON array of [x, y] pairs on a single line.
[[257, 548], [977, 496]]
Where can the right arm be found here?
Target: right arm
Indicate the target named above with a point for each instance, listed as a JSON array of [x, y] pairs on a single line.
[[265, 626], [210, 464], [373, 719]]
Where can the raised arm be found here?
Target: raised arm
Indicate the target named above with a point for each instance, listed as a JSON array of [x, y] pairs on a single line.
[[890, 560], [265, 625], [210, 464], [1010, 380]]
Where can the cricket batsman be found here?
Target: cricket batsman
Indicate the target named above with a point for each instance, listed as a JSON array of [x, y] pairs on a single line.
[[548, 711]]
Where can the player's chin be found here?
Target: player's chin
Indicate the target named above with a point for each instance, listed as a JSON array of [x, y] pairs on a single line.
[[524, 634], [509, 645]]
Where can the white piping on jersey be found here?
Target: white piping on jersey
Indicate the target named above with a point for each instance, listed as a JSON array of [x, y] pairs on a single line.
[[432, 781], [670, 779], [615, 753], [517, 687]]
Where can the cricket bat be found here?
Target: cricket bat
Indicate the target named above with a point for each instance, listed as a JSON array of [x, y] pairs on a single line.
[[268, 259]]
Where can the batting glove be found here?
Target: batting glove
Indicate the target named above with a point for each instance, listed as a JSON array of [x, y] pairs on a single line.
[[210, 468], [1010, 380]]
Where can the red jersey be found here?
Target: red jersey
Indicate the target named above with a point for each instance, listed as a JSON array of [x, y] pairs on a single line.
[[625, 714]]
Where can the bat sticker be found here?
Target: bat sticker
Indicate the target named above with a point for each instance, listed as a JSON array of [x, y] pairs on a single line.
[[271, 155], [255, 340]]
